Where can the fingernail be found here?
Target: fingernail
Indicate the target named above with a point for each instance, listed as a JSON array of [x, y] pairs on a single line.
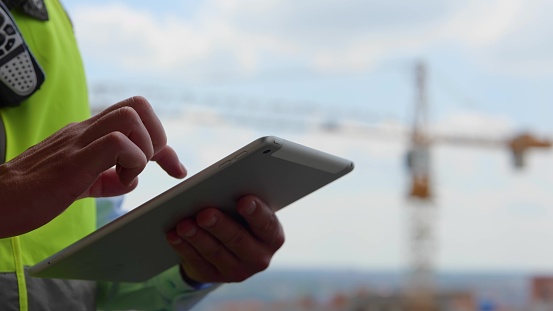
[[251, 207], [175, 240], [210, 222], [187, 231], [183, 169], [132, 182]]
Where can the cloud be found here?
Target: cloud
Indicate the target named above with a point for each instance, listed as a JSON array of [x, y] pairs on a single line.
[[242, 37], [526, 48], [481, 24], [481, 198], [137, 40]]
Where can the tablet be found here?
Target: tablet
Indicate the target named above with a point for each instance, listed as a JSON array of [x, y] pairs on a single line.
[[133, 247]]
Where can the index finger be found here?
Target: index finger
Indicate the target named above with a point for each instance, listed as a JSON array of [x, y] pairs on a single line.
[[168, 160], [147, 115]]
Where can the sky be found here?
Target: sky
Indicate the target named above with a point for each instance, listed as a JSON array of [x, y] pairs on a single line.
[[210, 67]]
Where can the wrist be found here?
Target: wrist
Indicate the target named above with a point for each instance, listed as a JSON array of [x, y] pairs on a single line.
[[190, 282]]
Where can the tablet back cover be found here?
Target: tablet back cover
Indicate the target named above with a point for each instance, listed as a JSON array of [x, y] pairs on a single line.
[[133, 248]]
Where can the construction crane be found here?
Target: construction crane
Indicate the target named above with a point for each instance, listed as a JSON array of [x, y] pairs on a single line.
[[421, 242], [420, 291], [422, 209]]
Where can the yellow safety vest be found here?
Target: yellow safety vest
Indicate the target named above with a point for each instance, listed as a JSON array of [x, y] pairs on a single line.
[[62, 99]]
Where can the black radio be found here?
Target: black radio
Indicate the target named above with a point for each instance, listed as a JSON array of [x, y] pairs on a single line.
[[20, 74]]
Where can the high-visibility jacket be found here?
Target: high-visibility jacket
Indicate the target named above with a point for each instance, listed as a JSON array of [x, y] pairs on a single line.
[[62, 99]]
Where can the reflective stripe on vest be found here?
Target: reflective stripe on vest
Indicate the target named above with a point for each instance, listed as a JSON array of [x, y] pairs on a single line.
[[47, 294]]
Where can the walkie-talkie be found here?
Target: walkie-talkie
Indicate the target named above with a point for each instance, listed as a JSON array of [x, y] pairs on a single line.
[[20, 74]]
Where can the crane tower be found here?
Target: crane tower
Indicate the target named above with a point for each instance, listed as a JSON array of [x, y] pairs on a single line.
[[421, 291], [422, 211]]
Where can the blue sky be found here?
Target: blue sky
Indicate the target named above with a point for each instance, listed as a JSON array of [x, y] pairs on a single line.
[[490, 68], [493, 55]]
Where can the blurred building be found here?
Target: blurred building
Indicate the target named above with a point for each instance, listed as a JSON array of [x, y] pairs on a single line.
[[541, 294], [363, 300]]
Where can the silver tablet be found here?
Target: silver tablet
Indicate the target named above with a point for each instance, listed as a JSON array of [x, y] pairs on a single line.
[[133, 248]]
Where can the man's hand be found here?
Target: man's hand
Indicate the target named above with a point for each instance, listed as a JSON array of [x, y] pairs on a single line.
[[214, 247], [101, 156]]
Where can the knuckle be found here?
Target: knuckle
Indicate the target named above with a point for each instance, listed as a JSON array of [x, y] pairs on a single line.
[[116, 139], [272, 229], [140, 101], [188, 252], [69, 132], [270, 224], [279, 240], [263, 263], [216, 253], [128, 115], [236, 239], [72, 129], [70, 125]]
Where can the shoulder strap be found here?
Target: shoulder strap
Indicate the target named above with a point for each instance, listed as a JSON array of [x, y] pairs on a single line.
[[12, 4], [33, 8]]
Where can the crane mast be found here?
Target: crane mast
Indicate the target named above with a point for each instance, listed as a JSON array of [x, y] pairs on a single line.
[[421, 292], [421, 210]]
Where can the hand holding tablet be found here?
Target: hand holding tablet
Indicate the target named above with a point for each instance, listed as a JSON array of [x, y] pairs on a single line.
[[134, 247]]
